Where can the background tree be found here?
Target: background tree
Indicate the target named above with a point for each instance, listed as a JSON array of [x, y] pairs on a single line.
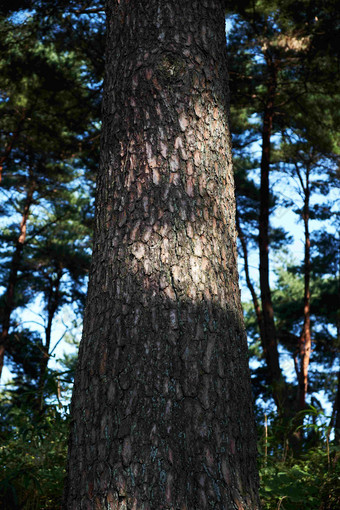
[[278, 86], [43, 90], [49, 132]]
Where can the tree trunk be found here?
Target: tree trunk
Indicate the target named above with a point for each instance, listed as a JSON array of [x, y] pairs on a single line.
[[304, 347], [269, 331], [162, 409], [52, 307], [336, 407], [250, 285], [336, 411], [305, 343], [13, 275]]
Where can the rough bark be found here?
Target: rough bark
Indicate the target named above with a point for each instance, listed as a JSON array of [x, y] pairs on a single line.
[[13, 275], [269, 331], [162, 409]]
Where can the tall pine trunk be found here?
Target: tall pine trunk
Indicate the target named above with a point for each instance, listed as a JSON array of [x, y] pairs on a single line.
[[305, 344], [268, 337], [162, 409], [53, 303], [256, 304], [304, 347]]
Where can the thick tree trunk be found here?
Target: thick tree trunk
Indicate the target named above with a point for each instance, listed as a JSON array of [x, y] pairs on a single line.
[[162, 408], [13, 275], [269, 340]]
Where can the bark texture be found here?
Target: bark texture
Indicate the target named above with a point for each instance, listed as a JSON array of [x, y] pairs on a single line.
[[162, 409]]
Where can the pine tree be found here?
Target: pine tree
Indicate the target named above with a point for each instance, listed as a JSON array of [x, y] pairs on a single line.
[[161, 409], [48, 121]]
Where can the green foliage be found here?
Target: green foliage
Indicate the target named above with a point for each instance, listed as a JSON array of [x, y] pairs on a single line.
[[297, 483], [33, 458], [280, 60], [51, 76], [49, 133], [33, 454]]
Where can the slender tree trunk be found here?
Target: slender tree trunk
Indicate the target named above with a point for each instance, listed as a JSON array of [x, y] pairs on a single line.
[[305, 343], [13, 275], [269, 331], [162, 409], [250, 285], [52, 307], [336, 407], [336, 410], [302, 356], [334, 423], [335, 418]]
